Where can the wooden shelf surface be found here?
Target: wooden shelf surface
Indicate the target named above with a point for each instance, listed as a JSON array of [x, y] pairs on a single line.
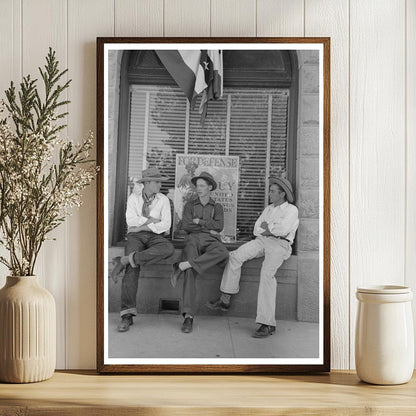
[[86, 393]]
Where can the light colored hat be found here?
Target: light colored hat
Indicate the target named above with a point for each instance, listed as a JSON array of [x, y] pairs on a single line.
[[285, 185], [152, 174], [208, 177]]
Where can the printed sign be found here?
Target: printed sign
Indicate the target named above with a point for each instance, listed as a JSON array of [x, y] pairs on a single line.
[[225, 170]]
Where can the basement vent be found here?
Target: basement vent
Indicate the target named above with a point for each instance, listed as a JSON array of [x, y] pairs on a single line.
[[169, 306]]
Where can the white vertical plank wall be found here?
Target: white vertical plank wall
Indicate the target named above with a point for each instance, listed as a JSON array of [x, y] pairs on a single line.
[[186, 18], [280, 18], [373, 130], [377, 146], [10, 64], [411, 149], [138, 17], [233, 18], [330, 18], [85, 20], [44, 24]]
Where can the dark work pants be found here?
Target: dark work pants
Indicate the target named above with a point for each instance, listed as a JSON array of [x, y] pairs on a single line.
[[149, 248], [203, 251]]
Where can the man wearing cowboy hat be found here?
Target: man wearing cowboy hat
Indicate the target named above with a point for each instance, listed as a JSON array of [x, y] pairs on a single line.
[[203, 220], [148, 217], [275, 231]]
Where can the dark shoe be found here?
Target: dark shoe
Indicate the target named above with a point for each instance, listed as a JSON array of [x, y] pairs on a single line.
[[218, 305], [176, 272], [187, 325], [118, 268], [264, 331], [125, 323]]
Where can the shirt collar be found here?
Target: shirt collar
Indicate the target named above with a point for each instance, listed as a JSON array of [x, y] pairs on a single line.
[[155, 196], [281, 206], [198, 202]]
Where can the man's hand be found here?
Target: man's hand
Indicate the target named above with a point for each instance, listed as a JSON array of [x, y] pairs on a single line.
[[195, 220], [264, 225], [151, 220], [213, 232]]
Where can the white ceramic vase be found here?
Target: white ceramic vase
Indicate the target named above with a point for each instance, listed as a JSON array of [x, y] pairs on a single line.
[[27, 331], [384, 338]]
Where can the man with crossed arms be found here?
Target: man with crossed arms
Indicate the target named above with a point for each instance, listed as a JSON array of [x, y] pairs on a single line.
[[148, 217], [275, 231]]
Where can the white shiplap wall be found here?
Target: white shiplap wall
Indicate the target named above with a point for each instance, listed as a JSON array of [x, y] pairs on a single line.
[[373, 132]]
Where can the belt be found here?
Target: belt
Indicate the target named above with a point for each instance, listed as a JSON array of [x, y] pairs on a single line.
[[282, 238]]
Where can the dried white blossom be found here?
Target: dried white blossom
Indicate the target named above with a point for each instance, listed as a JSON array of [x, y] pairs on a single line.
[[42, 175]]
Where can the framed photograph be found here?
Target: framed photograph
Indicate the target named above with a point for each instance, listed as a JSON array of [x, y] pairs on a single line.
[[213, 221]]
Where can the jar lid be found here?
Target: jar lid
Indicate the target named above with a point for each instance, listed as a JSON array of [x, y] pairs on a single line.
[[384, 289]]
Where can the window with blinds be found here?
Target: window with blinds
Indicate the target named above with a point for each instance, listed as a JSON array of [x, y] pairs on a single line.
[[247, 122]]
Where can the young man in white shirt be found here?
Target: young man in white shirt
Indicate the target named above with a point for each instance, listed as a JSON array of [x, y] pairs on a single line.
[[275, 231], [148, 217]]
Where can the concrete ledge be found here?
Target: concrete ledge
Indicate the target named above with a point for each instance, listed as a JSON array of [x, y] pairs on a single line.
[[154, 285]]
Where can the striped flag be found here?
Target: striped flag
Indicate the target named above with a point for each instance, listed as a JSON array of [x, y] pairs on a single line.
[[211, 61], [185, 68]]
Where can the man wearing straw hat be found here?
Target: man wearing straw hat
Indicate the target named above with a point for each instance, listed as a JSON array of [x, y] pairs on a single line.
[[275, 231], [148, 217], [203, 220]]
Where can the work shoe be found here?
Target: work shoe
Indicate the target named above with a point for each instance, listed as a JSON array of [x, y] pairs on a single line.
[[126, 321], [187, 325], [264, 331], [218, 305], [176, 272], [117, 270]]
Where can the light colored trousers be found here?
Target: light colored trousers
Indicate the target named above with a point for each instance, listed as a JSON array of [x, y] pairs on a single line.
[[275, 252]]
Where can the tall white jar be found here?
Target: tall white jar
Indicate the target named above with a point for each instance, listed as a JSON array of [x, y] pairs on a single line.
[[384, 338]]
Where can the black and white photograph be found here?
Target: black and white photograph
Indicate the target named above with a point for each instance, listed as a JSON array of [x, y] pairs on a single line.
[[214, 245]]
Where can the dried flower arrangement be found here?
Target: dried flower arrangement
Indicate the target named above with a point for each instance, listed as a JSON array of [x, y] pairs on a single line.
[[42, 176]]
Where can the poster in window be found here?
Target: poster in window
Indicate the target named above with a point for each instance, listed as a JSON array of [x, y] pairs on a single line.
[[242, 285], [224, 169]]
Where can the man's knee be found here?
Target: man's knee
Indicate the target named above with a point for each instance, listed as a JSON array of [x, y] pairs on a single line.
[[169, 248], [224, 254], [191, 246], [191, 238], [132, 243], [238, 256]]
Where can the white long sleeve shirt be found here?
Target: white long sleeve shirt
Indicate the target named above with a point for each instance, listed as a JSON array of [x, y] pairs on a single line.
[[159, 208], [283, 221]]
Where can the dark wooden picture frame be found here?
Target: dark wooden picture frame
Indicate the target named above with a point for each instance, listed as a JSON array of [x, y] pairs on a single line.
[[323, 234]]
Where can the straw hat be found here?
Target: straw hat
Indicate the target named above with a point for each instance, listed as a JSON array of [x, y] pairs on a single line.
[[152, 174], [285, 185]]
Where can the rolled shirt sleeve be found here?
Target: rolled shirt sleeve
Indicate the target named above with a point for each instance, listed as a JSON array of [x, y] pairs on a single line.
[[217, 222], [187, 217], [133, 216], [257, 229], [165, 218]]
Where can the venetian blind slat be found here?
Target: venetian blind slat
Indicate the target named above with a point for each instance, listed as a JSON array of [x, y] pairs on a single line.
[[210, 138], [248, 139], [278, 145], [136, 133], [166, 135]]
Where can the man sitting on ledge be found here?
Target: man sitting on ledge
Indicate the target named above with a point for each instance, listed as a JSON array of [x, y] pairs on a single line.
[[275, 231], [203, 220], [148, 217]]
